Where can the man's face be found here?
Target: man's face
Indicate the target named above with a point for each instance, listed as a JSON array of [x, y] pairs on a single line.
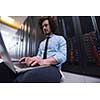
[[46, 27]]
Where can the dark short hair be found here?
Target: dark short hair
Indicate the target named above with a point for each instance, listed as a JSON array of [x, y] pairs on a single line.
[[52, 23]]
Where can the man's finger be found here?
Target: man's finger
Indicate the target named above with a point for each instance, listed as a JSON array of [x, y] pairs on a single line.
[[34, 63], [22, 59], [30, 62]]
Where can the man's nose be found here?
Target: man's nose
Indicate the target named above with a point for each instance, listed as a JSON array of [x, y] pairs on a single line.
[[44, 28]]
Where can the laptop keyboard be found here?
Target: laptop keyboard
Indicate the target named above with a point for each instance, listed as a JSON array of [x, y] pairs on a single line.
[[23, 65], [20, 65]]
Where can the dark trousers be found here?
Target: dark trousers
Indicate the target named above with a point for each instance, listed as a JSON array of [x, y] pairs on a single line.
[[49, 74]]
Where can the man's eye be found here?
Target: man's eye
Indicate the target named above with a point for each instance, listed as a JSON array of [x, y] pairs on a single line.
[[45, 25]]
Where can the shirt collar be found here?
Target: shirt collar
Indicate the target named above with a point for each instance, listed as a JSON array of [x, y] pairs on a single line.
[[51, 35]]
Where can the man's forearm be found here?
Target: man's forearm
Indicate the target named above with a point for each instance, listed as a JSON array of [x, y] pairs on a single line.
[[48, 61]]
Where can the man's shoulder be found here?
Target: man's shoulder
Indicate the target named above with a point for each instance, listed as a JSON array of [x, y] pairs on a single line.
[[59, 36], [60, 39]]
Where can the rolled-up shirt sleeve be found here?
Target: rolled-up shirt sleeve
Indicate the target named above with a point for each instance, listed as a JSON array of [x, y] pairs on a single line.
[[61, 54]]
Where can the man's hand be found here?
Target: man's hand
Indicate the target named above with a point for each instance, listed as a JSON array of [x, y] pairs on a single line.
[[29, 61], [32, 61]]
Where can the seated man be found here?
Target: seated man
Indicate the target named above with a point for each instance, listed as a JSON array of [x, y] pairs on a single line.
[[52, 52]]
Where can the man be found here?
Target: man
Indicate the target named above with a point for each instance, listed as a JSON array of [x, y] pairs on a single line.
[[52, 52]]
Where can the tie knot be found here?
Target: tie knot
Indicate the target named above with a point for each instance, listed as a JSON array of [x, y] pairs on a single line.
[[47, 38]]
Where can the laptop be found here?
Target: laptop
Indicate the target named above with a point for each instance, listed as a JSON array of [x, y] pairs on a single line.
[[7, 60]]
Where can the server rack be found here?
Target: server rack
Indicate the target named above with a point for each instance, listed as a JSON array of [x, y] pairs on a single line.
[[83, 45]]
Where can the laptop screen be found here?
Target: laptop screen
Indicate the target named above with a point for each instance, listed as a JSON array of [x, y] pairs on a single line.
[[5, 55]]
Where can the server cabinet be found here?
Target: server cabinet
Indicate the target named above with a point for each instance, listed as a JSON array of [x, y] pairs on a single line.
[[83, 44], [29, 37], [73, 49]]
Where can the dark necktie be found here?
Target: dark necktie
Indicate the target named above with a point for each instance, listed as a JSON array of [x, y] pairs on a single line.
[[45, 50]]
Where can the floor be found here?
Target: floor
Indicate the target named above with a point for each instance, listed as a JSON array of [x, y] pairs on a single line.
[[75, 78]]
